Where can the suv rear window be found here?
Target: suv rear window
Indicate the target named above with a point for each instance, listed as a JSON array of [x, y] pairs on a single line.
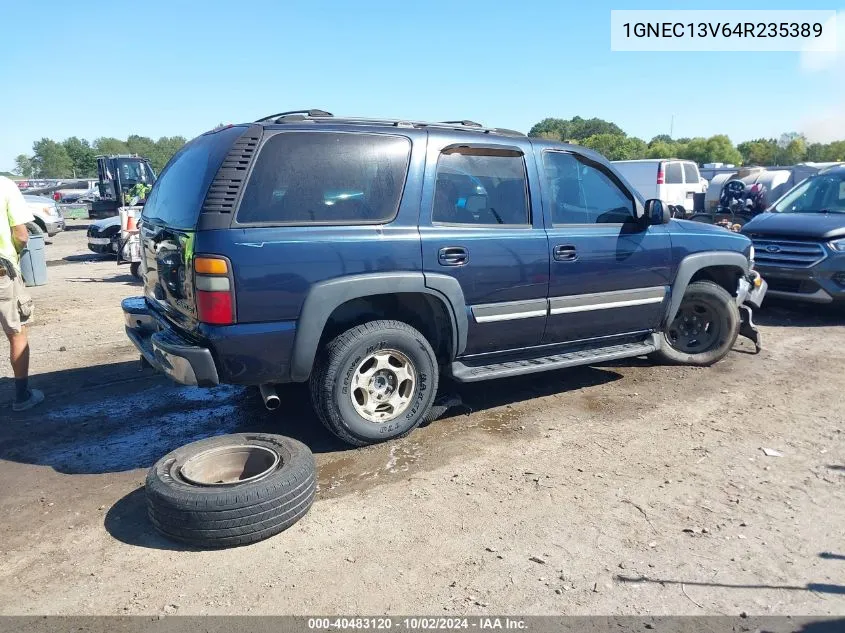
[[178, 194], [326, 178]]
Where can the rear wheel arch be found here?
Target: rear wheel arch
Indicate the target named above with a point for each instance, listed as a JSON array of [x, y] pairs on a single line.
[[721, 267], [337, 305]]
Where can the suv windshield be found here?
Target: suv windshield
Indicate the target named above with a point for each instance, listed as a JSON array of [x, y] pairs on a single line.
[[824, 193]]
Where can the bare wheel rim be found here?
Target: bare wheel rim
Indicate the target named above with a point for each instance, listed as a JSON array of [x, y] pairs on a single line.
[[695, 329], [229, 465], [383, 385]]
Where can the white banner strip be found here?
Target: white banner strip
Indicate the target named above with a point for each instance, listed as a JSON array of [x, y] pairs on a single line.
[[718, 30]]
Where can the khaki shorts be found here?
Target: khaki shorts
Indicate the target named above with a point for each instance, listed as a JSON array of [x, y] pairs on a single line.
[[15, 304]]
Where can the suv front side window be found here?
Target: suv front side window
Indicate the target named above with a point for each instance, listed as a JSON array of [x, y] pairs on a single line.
[[584, 192], [481, 186]]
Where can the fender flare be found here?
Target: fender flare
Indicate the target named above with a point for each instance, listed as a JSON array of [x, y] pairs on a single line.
[[690, 265], [324, 297]]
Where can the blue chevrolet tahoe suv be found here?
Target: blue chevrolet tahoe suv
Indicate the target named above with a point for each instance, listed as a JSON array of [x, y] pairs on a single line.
[[368, 257]]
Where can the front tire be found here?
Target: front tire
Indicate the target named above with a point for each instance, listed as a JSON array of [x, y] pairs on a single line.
[[375, 382], [705, 328]]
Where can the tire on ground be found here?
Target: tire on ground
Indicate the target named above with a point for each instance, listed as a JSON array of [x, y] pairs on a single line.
[[332, 376], [724, 304], [237, 514]]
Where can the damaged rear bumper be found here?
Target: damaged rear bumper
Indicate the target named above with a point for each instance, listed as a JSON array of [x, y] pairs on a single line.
[[164, 349]]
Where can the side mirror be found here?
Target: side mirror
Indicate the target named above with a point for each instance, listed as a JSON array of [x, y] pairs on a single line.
[[656, 212]]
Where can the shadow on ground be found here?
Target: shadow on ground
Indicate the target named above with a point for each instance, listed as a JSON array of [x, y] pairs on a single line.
[[815, 587], [786, 314], [127, 522], [124, 278], [88, 257], [118, 417]]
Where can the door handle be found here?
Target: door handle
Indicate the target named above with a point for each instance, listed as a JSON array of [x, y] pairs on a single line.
[[565, 253], [452, 256]]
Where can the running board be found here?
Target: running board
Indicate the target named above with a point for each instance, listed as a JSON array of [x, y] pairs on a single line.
[[472, 373]]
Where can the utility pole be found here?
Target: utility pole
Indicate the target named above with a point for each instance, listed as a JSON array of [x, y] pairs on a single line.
[[672, 126]]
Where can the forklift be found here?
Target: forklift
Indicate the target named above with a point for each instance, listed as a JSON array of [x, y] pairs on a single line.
[[124, 180]]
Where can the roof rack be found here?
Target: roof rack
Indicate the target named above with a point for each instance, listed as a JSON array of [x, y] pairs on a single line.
[[299, 114], [321, 116]]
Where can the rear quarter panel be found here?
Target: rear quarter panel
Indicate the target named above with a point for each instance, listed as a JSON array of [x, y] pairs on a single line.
[[274, 267]]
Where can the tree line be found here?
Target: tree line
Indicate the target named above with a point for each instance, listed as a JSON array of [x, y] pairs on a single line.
[[610, 140], [75, 157]]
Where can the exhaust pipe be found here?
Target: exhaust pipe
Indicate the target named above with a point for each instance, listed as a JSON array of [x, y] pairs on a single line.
[[270, 397]]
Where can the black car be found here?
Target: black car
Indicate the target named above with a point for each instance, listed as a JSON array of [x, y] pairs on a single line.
[[800, 241]]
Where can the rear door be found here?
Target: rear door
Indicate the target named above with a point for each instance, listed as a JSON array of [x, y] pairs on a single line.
[[169, 221], [609, 275], [481, 223], [674, 191], [692, 184]]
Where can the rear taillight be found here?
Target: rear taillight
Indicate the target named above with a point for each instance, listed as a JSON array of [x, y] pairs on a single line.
[[659, 173], [215, 292]]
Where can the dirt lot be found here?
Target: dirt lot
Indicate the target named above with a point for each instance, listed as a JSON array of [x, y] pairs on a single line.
[[626, 488]]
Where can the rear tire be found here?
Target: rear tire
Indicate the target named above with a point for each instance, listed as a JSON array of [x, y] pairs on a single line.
[[375, 382], [705, 328]]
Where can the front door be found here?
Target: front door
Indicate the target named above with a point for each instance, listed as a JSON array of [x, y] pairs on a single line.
[[610, 275], [479, 226]]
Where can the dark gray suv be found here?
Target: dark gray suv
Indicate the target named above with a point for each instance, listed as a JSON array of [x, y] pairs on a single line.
[[800, 242]]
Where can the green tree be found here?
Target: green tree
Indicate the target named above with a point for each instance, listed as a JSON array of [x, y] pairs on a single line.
[[661, 138], [141, 145], [761, 151], [661, 149], [616, 146], [81, 155], [716, 149], [574, 129], [109, 145], [51, 160], [721, 150], [835, 151], [794, 152], [23, 166], [165, 148]]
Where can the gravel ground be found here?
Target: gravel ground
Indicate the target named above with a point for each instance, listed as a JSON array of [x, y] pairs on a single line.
[[617, 489]]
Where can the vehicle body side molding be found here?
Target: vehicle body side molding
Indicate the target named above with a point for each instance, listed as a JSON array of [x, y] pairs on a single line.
[[690, 265], [326, 296]]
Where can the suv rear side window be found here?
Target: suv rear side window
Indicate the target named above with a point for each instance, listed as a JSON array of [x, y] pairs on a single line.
[[326, 178], [481, 186], [178, 194], [673, 174], [691, 173]]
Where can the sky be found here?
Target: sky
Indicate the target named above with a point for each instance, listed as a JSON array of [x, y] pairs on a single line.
[[163, 68]]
